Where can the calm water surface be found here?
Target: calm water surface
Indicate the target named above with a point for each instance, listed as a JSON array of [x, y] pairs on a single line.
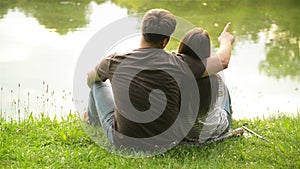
[[40, 44]]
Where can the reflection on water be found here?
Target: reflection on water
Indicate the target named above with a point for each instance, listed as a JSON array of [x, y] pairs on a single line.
[[282, 58], [31, 55], [254, 93], [41, 41], [56, 15]]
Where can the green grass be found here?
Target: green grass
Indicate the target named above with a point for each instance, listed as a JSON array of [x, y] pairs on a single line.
[[51, 144]]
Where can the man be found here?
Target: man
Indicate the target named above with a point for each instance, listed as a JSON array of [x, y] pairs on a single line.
[[148, 85]]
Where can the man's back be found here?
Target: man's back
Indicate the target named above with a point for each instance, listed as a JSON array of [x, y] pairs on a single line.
[[146, 85]]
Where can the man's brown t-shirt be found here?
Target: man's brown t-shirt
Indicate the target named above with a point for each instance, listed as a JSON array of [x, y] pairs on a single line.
[[147, 84]]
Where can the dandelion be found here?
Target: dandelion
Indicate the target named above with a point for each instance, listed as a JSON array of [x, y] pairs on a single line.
[[1, 102], [11, 100], [46, 102], [19, 100], [28, 102]]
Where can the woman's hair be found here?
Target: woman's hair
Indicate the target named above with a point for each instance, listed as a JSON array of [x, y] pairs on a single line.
[[157, 25], [196, 43]]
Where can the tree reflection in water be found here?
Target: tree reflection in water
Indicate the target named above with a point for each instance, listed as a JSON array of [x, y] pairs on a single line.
[[248, 18]]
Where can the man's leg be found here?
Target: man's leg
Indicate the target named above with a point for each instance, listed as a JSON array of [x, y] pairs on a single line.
[[101, 108]]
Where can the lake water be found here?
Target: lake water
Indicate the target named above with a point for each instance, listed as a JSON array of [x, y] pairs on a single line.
[[41, 42]]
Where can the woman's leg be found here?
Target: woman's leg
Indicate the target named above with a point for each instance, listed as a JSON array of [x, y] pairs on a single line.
[[101, 108]]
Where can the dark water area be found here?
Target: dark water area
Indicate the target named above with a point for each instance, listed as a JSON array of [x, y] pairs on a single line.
[[40, 42]]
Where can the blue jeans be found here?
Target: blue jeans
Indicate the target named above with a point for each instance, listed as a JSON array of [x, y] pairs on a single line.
[[101, 108], [227, 108]]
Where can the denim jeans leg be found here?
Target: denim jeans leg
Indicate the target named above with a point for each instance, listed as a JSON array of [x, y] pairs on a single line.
[[93, 118], [101, 108], [227, 107]]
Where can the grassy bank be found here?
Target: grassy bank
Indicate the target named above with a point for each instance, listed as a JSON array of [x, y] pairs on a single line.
[[52, 144]]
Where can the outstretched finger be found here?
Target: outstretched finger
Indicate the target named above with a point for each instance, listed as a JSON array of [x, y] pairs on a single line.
[[226, 29]]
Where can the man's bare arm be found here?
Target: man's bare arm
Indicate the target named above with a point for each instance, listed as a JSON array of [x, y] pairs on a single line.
[[221, 61]]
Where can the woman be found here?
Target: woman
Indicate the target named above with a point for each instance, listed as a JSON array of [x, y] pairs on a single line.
[[214, 115]]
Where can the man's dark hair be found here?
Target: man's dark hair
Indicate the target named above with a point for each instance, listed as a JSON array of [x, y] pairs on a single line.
[[157, 25]]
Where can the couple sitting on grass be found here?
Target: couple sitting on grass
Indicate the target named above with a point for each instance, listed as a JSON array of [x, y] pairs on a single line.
[[160, 98]]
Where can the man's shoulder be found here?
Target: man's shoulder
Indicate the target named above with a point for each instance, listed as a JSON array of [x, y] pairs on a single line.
[[183, 58], [117, 55], [178, 55], [143, 52]]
